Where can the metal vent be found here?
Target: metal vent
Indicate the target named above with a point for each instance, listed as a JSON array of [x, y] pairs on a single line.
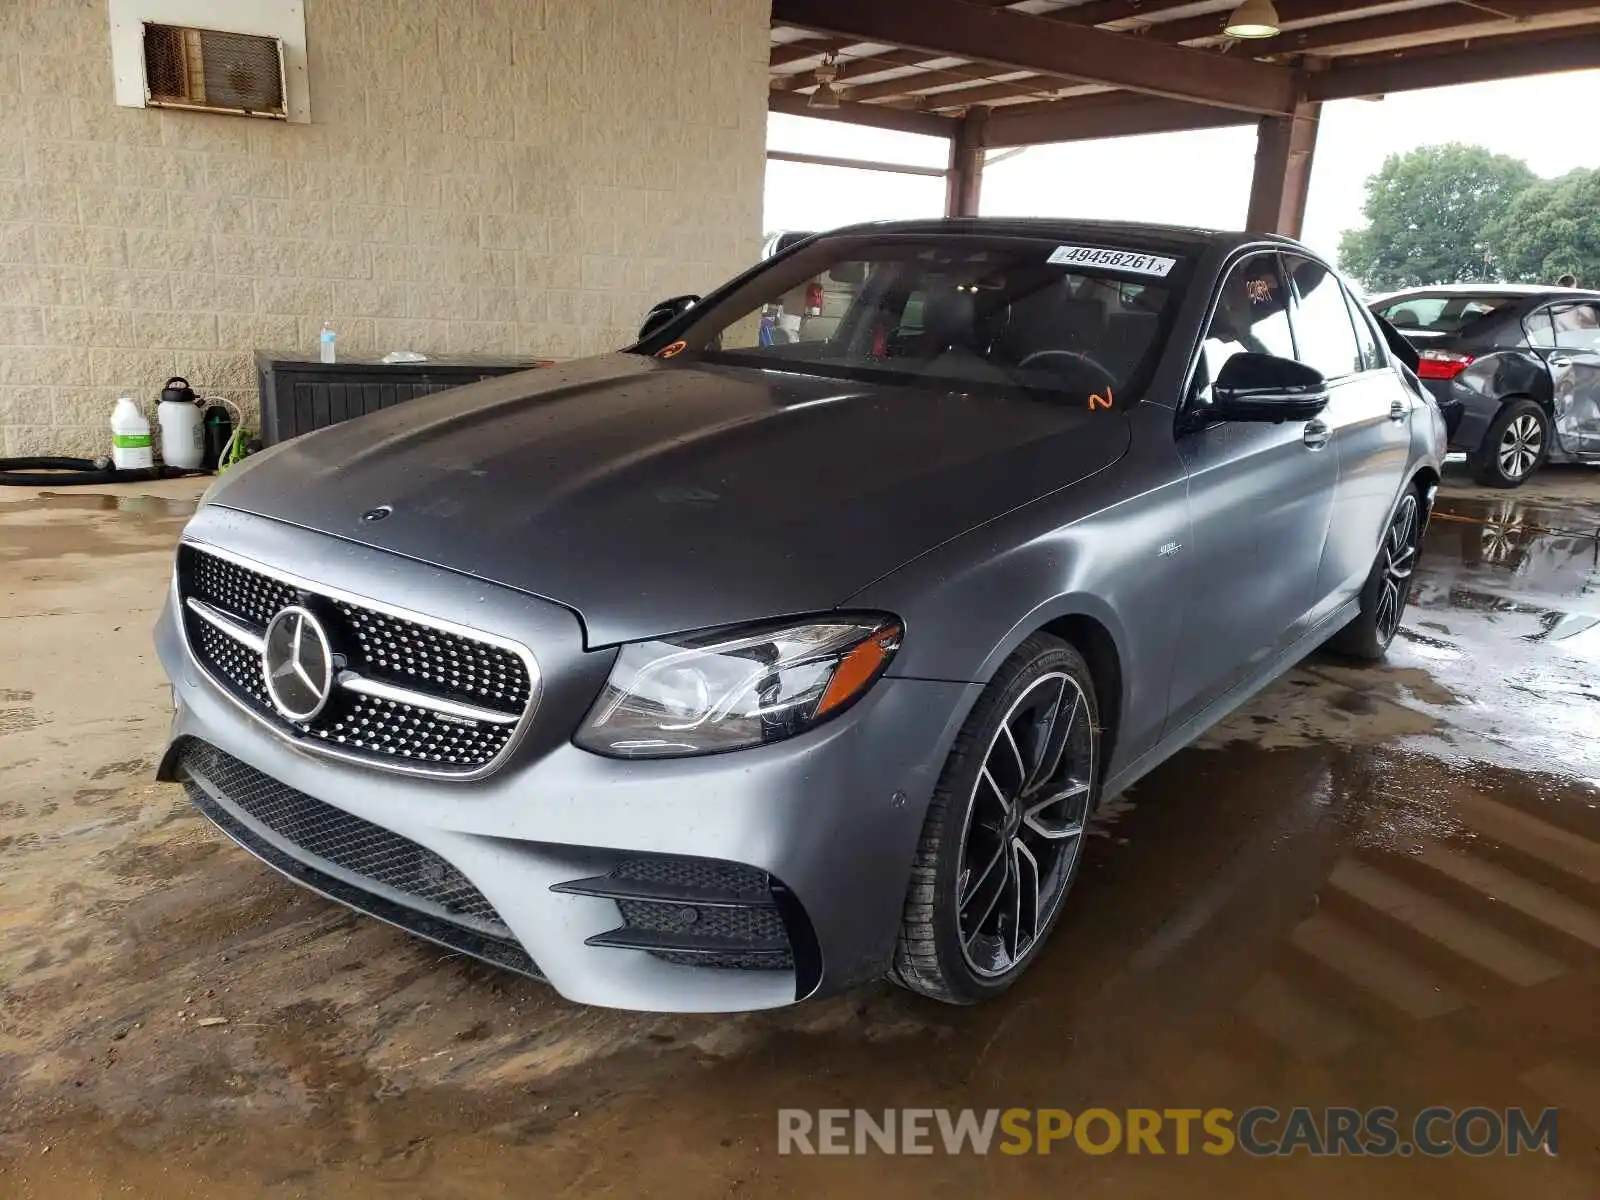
[[213, 71]]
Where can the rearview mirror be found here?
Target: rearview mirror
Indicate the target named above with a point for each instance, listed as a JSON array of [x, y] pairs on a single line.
[[1264, 387], [662, 314]]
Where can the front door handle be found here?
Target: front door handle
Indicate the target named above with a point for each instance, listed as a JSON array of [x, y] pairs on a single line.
[[1560, 361], [1315, 435], [1399, 410]]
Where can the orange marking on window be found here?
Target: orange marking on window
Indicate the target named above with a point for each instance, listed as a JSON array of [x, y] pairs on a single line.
[[1096, 400]]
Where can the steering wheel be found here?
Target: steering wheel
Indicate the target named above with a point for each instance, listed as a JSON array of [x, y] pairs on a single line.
[[1074, 359]]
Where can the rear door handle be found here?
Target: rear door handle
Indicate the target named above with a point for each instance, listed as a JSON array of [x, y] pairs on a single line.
[[1315, 435], [1399, 410], [1560, 361]]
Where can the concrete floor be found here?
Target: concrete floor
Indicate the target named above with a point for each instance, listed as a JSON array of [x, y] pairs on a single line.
[[1370, 887]]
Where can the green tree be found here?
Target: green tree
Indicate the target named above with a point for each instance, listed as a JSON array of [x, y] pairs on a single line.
[[1552, 229], [1429, 215]]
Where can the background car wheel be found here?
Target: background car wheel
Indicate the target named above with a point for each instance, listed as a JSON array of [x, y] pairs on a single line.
[[1005, 830], [1388, 587], [1514, 446]]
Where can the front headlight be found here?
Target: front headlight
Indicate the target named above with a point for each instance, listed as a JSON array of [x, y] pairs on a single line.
[[728, 689]]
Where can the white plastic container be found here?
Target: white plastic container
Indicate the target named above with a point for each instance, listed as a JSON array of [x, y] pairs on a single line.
[[326, 344], [130, 437], [182, 434]]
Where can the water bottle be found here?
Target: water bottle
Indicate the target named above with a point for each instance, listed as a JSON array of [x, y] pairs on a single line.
[[326, 343]]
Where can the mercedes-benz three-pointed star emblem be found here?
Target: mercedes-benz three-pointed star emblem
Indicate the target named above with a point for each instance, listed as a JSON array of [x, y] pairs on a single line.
[[297, 664]]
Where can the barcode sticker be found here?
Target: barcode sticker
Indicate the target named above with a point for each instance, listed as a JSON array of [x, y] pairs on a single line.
[[1119, 260]]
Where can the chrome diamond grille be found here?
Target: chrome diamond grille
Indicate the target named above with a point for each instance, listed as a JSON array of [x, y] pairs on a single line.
[[434, 659], [230, 661], [435, 668], [251, 596], [373, 726]]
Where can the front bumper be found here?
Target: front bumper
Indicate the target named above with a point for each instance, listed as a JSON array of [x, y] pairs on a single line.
[[832, 816]]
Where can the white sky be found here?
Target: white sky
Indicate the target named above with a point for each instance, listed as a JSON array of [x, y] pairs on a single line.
[[1199, 178]]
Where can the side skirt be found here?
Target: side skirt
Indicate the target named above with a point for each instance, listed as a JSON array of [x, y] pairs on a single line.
[[1186, 733]]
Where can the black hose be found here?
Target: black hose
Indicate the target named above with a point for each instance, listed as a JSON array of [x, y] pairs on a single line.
[[70, 472]]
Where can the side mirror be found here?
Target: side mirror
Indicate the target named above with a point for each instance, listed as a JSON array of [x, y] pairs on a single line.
[[1264, 387], [667, 311]]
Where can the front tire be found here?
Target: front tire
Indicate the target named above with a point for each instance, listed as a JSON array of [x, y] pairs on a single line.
[[1004, 834], [1515, 445], [1388, 587]]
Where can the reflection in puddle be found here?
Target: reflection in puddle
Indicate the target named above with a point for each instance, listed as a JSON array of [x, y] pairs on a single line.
[[53, 526], [155, 507]]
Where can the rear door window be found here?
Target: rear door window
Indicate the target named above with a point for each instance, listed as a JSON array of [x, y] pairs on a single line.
[[1540, 332], [1322, 330], [1442, 313], [1577, 326], [1372, 355]]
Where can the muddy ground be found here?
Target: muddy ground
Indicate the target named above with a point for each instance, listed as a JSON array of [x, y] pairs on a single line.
[[1370, 887]]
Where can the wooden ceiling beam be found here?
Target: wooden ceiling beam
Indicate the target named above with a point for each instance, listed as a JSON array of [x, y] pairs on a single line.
[[793, 52], [1452, 63], [958, 98], [1116, 114], [909, 87], [878, 116], [1426, 26]]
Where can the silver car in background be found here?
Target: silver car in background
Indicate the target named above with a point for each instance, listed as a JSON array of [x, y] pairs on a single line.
[[723, 671]]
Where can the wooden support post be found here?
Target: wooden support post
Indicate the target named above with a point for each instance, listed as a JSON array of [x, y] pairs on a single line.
[[1285, 147], [964, 182]]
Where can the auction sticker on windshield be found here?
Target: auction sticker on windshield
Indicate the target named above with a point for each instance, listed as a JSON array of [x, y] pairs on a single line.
[[1121, 260]]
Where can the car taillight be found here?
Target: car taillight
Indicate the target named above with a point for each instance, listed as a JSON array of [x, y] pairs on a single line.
[[814, 300], [1441, 364]]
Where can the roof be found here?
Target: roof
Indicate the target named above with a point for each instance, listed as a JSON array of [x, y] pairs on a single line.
[[1128, 233], [1486, 289], [1052, 69]]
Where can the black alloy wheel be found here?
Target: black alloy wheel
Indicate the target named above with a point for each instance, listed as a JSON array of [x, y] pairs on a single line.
[[1388, 586], [1004, 834]]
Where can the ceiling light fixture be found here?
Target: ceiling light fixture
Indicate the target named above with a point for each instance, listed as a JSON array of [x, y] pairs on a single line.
[[1253, 19], [826, 95]]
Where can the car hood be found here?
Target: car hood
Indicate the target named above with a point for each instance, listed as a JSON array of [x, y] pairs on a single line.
[[655, 497]]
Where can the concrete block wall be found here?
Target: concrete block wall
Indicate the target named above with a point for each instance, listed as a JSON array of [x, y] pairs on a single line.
[[489, 176]]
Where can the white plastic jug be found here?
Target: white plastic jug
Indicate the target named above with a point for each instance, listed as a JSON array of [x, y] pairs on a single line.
[[182, 433], [130, 437]]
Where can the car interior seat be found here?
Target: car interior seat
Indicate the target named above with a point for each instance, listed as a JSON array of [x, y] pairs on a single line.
[[956, 339]]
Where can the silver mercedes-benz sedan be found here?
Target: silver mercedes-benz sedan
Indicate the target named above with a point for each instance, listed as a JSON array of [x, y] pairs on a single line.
[[770, 656]]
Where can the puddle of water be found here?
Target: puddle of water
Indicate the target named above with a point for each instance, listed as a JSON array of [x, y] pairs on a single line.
[[152, 507], [53, 525]]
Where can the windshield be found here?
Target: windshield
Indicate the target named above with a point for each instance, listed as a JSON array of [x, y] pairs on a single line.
[[1441, 314], [967, 312]]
